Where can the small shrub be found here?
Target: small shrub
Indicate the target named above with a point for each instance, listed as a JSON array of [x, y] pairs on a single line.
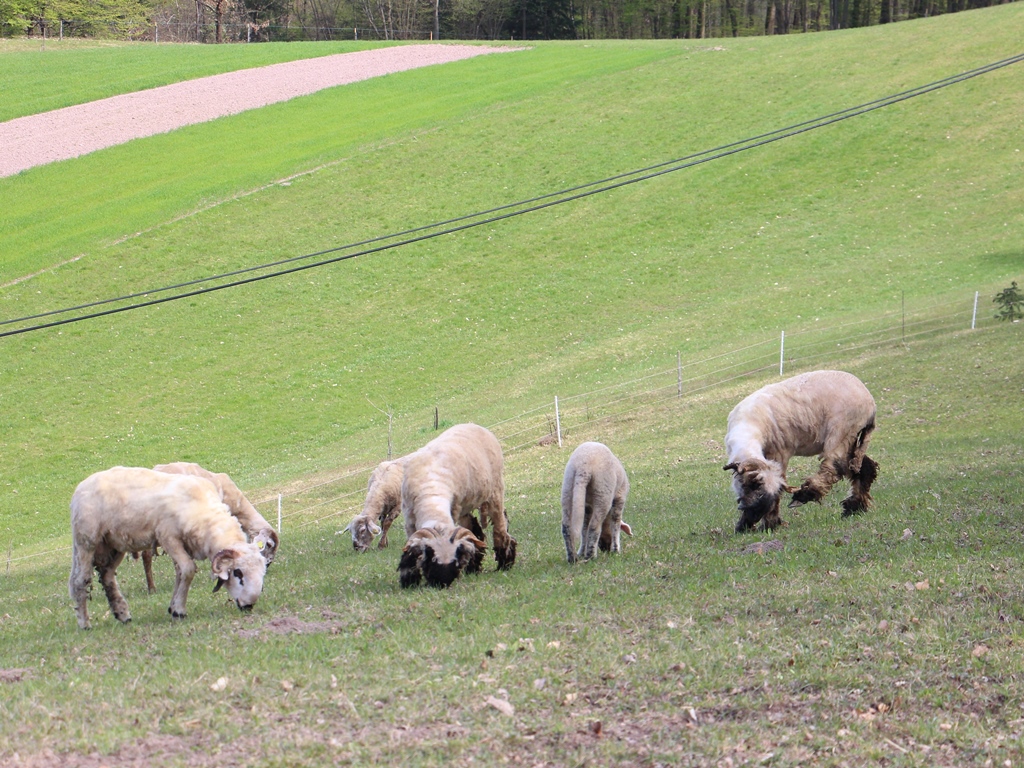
[[1010, 303]]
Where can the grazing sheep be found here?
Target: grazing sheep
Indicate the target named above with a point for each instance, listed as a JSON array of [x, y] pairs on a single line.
[[452, 475], [594, 491], [259, 531], [382, 505], [131, 509], [826, 413]]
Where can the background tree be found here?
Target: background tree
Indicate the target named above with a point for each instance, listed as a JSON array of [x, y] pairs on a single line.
[[1011, 303]]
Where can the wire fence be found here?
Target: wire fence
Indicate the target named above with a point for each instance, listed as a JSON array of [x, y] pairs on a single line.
[[170, 31], [332, 501]]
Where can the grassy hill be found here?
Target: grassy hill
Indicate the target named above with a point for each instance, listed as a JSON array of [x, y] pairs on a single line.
[[684, 649]]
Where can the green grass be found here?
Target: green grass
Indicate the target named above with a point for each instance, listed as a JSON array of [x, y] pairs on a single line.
[[62, 73], [279, 384]]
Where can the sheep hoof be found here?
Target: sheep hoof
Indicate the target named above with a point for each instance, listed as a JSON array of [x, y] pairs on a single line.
[[506, 556], [175, 614], [853, 507]]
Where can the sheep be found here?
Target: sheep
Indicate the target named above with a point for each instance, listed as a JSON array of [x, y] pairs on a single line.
[[132, 509], [259, 531], [594, 492], [822, 413], [382, 505], [444, 481]]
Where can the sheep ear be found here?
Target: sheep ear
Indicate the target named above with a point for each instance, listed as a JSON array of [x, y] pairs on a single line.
[[731, 467], [626, 529], [222, 562], [375, 529]]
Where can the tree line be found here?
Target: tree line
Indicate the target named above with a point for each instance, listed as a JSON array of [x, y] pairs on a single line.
[[260, 20]]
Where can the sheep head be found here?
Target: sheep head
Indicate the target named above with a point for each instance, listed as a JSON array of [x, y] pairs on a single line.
[[363, 529], [240, 569], [758, 484], [440, 556], [266, 542]]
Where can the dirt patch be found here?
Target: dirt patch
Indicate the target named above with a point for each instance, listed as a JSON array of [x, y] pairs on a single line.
[[74, 131], [762, 547], [13, 675], [292, 625]]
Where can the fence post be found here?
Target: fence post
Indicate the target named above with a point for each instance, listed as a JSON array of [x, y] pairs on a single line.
[[558, 423], [679, 374], [974, 315], [782, 352]]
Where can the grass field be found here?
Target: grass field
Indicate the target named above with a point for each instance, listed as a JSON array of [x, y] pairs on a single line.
[[892, 638]]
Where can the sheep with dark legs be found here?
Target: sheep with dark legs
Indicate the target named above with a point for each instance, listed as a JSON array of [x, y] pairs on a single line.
[[444, 482], [829, 414], [132, 509], [594, 491]]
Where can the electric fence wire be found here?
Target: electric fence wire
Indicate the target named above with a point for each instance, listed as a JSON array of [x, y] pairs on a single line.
[[490, 216]]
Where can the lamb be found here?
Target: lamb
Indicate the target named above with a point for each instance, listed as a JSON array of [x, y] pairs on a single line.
[[826, 413], [594, 492], [132, 509], [444, 481], [382, 505]]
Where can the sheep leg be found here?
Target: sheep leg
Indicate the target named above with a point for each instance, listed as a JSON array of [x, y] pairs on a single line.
[[389, 516], [859, 499], [80, 583], [817, 486], [772, 519], [591, 528], [184, 572], [504, 544], [106, 566], [147, 566], [615, 515]]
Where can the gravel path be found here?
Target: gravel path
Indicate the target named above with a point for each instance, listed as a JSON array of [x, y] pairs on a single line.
[[73, 131]]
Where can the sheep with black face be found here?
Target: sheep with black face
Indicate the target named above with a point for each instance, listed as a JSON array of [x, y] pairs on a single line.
[[829, 414], [132, 509], [444, 482]]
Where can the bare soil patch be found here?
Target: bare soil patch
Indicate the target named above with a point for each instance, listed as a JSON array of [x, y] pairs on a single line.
[[66, 133]]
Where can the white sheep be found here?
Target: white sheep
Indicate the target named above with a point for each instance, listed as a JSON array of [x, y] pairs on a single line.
[[444, 481], [383, 504], [132, 509], [823, 413], [259, 531], [594, 492]]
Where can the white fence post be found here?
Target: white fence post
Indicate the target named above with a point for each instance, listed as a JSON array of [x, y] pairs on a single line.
[[974, 315], [679, 374], [558, 423], [782, 351]]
